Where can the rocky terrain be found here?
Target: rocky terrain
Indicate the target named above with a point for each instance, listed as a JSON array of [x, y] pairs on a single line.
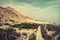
[[15, 26]]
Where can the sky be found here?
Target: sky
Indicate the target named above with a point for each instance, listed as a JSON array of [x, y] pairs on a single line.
[[44, 10]]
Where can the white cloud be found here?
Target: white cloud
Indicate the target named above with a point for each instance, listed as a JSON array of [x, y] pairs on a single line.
[[47, 14]]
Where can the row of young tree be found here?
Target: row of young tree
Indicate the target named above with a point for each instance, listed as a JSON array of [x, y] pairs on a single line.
[[26, 25]]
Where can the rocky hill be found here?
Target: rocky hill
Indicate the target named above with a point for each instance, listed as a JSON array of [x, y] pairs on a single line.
[[11, 16]]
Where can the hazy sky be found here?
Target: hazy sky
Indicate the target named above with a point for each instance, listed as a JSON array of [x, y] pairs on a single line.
[[45, 10]]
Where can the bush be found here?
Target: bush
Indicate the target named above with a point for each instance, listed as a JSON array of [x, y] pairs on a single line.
[[8, 34]]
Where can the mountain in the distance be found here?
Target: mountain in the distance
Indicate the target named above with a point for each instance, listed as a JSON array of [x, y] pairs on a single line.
[[11, 16]]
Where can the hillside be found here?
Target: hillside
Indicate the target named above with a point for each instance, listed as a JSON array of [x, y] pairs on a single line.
[[10, 15]]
